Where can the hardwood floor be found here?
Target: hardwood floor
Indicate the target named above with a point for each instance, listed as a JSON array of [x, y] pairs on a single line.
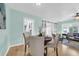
[[63, 50], [16, 51]]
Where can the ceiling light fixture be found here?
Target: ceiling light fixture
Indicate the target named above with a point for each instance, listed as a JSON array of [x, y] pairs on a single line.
[[38, 4], [77, 16]]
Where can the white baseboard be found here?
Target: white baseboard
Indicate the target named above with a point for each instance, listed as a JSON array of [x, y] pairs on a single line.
[[16, 45], [12, 46], [6, 51]]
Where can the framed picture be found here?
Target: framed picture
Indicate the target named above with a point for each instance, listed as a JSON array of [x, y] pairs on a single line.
[[2, 16]]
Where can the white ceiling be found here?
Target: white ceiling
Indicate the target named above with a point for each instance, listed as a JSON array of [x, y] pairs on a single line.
[[53, 11]]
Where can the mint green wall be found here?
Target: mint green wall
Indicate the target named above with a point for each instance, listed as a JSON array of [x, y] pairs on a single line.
[[3, 41], [58, 27], [16, 25]]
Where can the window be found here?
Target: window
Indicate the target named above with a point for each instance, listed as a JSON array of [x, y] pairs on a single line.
[[48, 28], [28, 25]]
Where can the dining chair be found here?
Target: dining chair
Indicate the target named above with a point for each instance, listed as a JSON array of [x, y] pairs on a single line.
[[46, 40], [36, 45], [26, 43], [53, 44]]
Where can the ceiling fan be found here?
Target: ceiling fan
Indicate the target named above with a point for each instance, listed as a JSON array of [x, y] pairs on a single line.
[[77, 16]]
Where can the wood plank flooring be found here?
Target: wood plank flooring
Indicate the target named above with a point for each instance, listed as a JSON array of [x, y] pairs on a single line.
[[63, 50]]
